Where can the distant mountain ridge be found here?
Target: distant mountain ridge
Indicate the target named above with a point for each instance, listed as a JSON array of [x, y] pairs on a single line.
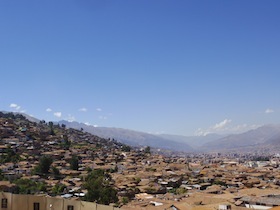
[[134, 138], [265, 136], [259, 137]]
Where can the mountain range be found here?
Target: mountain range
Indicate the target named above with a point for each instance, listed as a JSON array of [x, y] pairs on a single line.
[[267, 136], [130, 137]]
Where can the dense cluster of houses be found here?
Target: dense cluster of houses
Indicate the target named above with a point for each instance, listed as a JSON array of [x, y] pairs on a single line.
[[143, 180]]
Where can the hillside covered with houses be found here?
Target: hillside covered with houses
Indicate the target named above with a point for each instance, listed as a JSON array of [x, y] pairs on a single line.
[[51, 159]]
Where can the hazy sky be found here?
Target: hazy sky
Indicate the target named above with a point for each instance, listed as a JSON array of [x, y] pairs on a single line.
[[178, 67]]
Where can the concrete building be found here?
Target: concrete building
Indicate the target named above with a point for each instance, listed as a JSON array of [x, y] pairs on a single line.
[[32, 202]]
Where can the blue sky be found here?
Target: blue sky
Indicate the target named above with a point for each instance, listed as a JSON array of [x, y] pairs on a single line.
[[178, 67]]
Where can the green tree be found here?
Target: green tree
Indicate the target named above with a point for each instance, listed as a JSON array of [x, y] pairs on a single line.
[[219, 182], [10, 156], [50, 124], [66, 143], [147, 150], [137, 180], [58, 188], [44, 165], [125, 200], [126, 148], [51, 128], [1, 175], [56, 173], [27, 186], [74, 163], [99, 189], [181, 190]]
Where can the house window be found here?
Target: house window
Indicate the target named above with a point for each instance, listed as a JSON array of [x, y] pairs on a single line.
[[69, 207], [36, 206], [4, 203]]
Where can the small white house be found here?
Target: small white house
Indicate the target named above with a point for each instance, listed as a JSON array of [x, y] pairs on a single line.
[[224, 207]]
